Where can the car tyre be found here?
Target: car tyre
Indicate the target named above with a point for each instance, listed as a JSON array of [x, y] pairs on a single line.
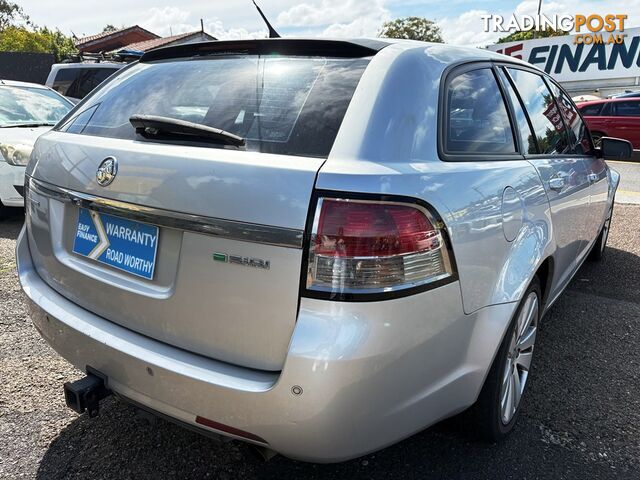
[[599, 247], [498, 406]]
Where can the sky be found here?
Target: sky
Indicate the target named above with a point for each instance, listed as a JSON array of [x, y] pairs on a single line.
[[459, 20]]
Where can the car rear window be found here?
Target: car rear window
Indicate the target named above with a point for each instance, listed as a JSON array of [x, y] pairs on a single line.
[[78, 82], [279, 104]]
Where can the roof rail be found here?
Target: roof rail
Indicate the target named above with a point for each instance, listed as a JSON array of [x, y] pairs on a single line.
[[283, 46], [91, 58]]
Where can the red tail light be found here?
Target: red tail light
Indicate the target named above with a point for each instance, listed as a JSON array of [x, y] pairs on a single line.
[[362, 246]]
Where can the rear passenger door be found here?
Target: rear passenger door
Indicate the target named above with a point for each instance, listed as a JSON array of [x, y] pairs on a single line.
[[596, 167], [547, 147], [626, 121]]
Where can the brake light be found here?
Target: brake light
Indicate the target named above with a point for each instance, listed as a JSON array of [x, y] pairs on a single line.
[[363, 246]]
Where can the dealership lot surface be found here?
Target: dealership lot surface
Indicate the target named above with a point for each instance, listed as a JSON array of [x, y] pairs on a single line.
[[581, 418]]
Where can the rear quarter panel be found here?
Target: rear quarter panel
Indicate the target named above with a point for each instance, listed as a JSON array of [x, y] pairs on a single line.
[[395, 152]]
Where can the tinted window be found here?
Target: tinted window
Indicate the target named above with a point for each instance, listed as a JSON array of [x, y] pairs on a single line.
[[78, 82], [578, 133], [527, 137], [477, 120], [545, 117], [284, 105], [591, 110], [20, 105], [626, 109]]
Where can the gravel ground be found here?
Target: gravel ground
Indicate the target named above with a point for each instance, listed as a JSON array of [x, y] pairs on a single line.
[[580, 419]]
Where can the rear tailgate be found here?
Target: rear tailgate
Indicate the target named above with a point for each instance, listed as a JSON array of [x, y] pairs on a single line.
[[215, 265], [209, 292]]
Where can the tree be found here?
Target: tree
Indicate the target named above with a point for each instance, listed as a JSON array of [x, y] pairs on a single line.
[[40, 40], [109, 28], [531, 34], [11, 13], [412, 28]]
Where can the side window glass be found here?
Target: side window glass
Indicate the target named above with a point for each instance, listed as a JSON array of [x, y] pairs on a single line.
[[477, 121], [64, 79], [527, 137], [591, 110], [627, 109], [79, 122], [579, 135], [543, 112], [85, 82]]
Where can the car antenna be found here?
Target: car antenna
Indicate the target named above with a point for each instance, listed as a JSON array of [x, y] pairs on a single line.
[[272, 31]]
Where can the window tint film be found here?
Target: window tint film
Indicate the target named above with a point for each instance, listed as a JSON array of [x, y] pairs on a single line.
[[87, 80], [284, 105], [20, 105], [591, 110], [64, 79], [543, 112], [578, 133], [477, 120], [527, 137], [626, 109]]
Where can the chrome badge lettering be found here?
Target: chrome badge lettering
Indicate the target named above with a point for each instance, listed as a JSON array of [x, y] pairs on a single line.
[[240, 260]]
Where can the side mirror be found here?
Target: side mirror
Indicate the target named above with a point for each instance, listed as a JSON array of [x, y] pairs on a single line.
[[615, 149]]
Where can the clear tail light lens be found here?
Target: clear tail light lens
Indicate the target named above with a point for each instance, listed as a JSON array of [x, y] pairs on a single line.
[[362, 246]]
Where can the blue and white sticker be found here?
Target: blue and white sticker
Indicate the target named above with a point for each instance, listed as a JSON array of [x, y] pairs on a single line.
[[121, 243]]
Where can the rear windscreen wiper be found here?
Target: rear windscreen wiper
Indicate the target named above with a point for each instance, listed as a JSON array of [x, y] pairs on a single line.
[[29, 125], [165, 128]]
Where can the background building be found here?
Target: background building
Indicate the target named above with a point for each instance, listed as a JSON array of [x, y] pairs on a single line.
[[596, 69]]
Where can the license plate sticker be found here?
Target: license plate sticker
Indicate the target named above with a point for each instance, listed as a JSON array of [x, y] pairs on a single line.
[[121, 243]]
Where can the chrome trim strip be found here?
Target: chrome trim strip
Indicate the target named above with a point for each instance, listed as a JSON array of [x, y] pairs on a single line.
[[242, 231]]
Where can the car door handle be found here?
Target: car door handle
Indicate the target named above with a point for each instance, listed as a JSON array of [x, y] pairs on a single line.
[[593, 177], [557, 183]]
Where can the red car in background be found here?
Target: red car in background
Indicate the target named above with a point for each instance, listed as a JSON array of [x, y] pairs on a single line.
[[614, 117]]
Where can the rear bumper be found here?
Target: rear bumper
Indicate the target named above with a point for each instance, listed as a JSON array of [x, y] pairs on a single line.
[[370, 373], [11, 177]]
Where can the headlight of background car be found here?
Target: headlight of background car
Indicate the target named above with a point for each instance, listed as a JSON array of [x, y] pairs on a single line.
[[15, 154]]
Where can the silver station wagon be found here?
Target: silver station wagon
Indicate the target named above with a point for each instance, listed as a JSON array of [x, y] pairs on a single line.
[[319, 247]]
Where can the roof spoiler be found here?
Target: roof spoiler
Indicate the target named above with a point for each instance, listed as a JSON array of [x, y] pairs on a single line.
[[282, 46]]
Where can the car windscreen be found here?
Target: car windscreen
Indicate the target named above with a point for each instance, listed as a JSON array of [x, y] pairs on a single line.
[[25, 105], [279, 104]]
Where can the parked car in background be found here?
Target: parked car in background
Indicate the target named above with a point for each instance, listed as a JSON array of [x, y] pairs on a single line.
[[318, 247], [614, 117], [76, 80], [27, 110], [627, 95]]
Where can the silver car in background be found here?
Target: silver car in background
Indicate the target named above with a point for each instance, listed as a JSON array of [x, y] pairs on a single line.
[[318, 247]]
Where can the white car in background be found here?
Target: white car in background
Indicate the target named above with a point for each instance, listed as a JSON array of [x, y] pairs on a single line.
[[27, 110]]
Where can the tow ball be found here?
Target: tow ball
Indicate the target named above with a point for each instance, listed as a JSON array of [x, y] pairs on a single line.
[[85, 394]]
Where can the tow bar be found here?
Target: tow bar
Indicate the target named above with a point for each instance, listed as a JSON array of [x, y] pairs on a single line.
[[85, 394]]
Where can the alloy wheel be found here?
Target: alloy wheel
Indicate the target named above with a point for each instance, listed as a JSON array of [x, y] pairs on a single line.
[[518, 360]]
